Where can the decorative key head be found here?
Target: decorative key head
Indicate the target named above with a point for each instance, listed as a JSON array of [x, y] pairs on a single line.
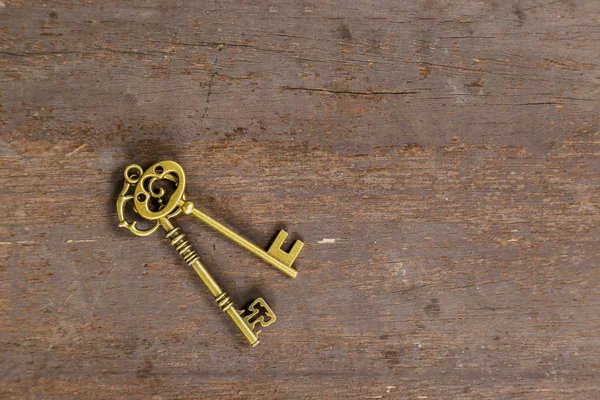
[[145, 190], [149, 200]]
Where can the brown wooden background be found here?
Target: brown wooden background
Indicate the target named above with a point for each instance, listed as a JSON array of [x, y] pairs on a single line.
[[439, 158]]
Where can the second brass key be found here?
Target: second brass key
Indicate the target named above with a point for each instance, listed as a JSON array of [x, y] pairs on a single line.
[[167, 169], [245, 323]]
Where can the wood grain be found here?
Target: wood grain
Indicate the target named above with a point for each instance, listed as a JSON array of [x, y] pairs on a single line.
[[439, 158]]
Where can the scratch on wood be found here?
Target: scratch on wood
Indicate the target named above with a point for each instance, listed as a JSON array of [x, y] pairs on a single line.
[[76, 150], [327, 241]]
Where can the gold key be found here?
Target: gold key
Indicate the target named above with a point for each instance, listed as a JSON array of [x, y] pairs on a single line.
[[169, 169], [245, 320], [184, 248]]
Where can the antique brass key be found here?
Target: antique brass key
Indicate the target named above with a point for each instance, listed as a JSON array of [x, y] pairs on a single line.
[[275, 255], [161, 212]]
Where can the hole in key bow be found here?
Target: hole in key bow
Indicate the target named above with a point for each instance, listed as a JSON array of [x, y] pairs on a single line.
[[133, 173], [160, 191]]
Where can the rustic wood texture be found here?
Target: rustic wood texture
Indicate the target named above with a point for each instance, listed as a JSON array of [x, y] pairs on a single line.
[[439, 158]]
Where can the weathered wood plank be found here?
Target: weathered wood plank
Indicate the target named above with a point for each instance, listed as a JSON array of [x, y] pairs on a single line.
[[440, 160]]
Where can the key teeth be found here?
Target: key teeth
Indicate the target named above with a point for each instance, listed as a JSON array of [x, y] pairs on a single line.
[[287, 258], [281, 236], [253, 312]]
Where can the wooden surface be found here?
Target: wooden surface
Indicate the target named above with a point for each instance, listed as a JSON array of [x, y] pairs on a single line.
[[439, 158]]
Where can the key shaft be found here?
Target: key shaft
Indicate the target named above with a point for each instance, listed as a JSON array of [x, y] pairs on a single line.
[[184, 248], [189, 208]]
